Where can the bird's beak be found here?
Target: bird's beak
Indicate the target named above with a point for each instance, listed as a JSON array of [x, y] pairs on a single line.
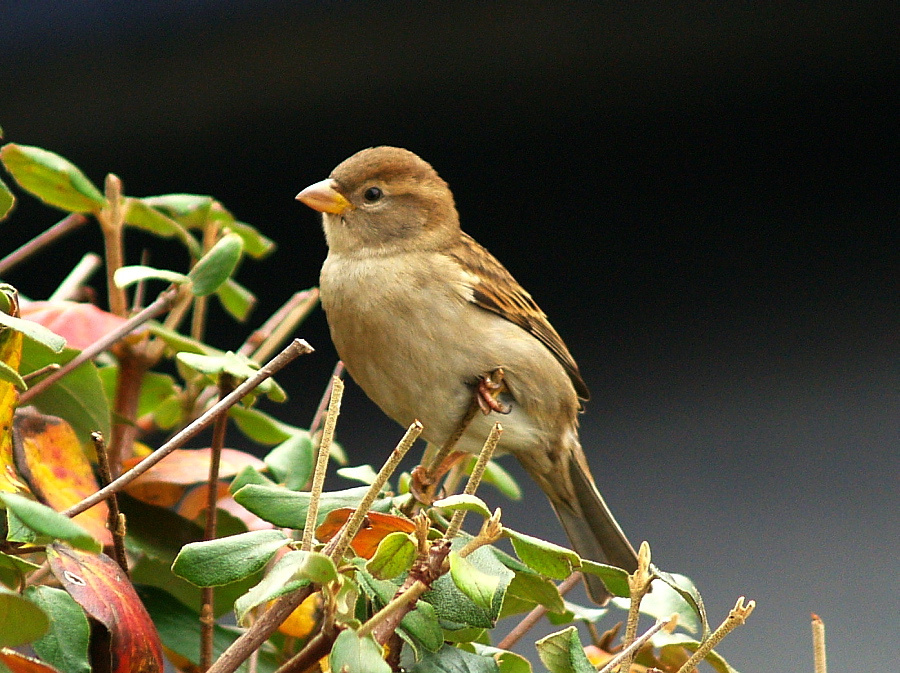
[[324, 197]]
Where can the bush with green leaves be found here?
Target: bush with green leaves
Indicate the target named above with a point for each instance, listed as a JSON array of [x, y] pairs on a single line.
[[114, 559]]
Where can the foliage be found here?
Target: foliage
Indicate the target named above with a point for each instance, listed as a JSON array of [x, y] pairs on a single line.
[[368, 576]]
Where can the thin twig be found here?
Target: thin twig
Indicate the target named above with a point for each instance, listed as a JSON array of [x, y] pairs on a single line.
[[85, 268], [628, 652], [487, 452], [315, 649], [338, 545], [161, 305], [820, 662], [312, 514], [536, 614], [736, 617], [66, 225], [115, 520], [638, 586], [207, 594], [112, 221], [280, 325], [296, 348]]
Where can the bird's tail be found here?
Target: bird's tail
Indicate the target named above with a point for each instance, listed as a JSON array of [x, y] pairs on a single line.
[[590, 526]]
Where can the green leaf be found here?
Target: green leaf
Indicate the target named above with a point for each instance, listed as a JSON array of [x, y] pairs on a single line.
[[7, 200], [26, 517], [663, 601], [294, 570], [22, 620], [260, 426], [291, 462], [233, 364], [139, 213], [686, 589], [51, 178], [216, 266], [13, 569], [255, 244], [562, 652], [34, 332], [509, 662], [191, 210], [364, 473], [503, 481], [179, 630], [65, 645], [478, 586], [394, 555], [615, 579], [287, 509], [225, 560], [354, 654], [536, 589], [579, 612], [236, 299], [129, 275], [78, 397], [467, 503], [664, 639], [10, 375], [545, 557], [179, 342], [451, 659]]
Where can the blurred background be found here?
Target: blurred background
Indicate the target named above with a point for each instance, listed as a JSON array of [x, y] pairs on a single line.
[[703, 197]]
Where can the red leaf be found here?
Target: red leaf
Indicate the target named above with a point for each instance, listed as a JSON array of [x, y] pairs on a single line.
[[100, 587], [19, 663], [376, 526], [80, 324]]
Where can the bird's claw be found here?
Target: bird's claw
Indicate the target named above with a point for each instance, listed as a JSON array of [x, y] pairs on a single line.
[[489, 388]]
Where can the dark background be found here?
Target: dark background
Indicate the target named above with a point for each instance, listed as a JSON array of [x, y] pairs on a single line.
[[703, 198]]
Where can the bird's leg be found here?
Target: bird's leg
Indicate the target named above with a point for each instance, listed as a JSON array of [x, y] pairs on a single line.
[[488, 391]]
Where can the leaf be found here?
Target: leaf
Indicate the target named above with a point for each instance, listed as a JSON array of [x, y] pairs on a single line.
[[291, 462], [191, 210], [30, 521], [579, 612], [129, 275], [685, 587], [663, 601], [536, 589], [545, 557], [51, 178], [305, 618], [364, 473], [478, 586], [663, 640], [50, 458], [261, 427], [14, 662], [179, 630], [255, 244], [78, 397], [238, 366], [393, 556], [228, 559], [34, 332], [139, 213], [287, 509], [451, 659], [11, 343], [23, 621], [562, 652], [100, 587], [156, 388], [352, 653], [467, 503], [71, 323], [7, 200], [615, 579], [217, 265], [509, 662], [13, 569], [376, 526], [236, 299], [497, 476], [294, 570], [65, 645]]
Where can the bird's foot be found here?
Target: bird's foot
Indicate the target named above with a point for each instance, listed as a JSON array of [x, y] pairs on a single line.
[[424, 482], [489, 388]]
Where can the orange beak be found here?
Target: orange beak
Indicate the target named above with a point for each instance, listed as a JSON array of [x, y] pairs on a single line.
[[324, 197]]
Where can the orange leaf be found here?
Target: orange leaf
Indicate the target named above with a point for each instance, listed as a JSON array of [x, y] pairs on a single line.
[[51, 459], [100, 587], [376, 526], [80, 324], [19, 663], [301, 622], [11, 355]]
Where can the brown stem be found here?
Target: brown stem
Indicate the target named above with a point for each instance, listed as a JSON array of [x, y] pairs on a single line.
[[536, 615], [115, 521], [64, 226], [112, 220], [296, 348], [161, 305], [280, 325], [312, 513], [310, 655], [132, 368]]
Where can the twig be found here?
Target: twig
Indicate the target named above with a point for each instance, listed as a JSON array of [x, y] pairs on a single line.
[[115, 521], [736, 617], [207, 594], [312, 514], [628, 652], [338, 545], [64, 226], [280, 325], [112, 220], [296, 348], [536, 614], [638, 586], [85, 268], [161, 305], [487, 452], [820, 661], [315, 649]]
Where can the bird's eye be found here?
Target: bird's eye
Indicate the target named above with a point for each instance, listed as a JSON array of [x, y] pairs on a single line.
[[372, 194]]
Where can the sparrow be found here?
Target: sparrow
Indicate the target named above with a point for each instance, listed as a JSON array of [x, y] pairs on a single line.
[[422, 316]]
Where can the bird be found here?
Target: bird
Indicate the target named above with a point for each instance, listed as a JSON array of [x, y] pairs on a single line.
[[422, 316]]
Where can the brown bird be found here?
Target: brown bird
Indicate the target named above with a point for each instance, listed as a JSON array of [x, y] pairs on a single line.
[[421, 314]]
